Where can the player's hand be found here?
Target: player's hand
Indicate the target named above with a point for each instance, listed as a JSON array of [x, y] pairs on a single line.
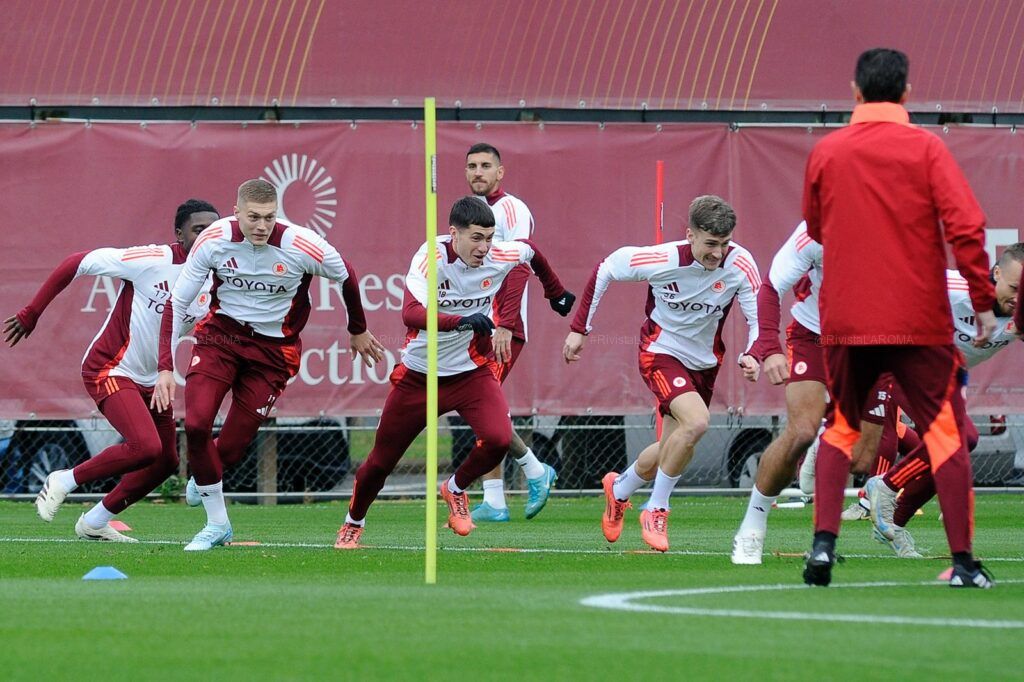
[[985, 324], [776, 368], [368, 348], [563, 304], [478, 322], [573, 347], [163, 392], [501, 339], [751, 367], [14, 331]]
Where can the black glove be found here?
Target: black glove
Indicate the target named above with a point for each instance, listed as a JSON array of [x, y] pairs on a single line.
[[478, 322], [563, 304]]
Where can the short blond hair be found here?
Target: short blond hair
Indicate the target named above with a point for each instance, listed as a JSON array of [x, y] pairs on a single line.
[[256, 191]]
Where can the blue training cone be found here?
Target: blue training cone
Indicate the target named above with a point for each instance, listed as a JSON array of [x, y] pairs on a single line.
[[104, 573]]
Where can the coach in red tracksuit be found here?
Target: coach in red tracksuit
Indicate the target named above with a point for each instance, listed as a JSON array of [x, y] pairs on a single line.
[[874, 195]]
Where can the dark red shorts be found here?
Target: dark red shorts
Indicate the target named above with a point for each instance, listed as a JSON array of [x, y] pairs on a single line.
[[806, 356], [102, 387], [504, 370], [256, 367], [667, 378]]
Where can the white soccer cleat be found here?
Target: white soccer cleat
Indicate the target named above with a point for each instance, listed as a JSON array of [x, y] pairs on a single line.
[[883, 506], [192, 496], [748, 548], [104, 534], [902, 543], [856, 511], [210, 536], [51, 497]]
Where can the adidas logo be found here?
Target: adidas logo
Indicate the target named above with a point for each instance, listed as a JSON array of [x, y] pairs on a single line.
[[673, 287], [230, 264], [969, 319], [878, 411], [445, 285], [163, 286]]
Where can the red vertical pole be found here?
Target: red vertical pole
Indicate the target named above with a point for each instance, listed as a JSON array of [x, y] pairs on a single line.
[[659, 229]]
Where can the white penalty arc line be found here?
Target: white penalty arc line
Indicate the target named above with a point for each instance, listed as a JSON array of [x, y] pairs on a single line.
[[495, 550], [625, 601]]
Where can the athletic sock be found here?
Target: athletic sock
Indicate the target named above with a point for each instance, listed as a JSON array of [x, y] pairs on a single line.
[[757, 511], [452, 488], [67, 479], [627, 483], [532, 468], [494, 493], [213, 502], [98, 516], [663, 485], [349, 519]]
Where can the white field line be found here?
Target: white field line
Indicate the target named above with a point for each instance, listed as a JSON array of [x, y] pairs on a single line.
[[625, 601], [500, 550]]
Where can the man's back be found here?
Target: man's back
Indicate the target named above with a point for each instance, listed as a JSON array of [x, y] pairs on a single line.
[[875, 192]]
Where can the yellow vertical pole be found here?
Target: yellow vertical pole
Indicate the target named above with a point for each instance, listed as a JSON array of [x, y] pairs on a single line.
[[430, 135]]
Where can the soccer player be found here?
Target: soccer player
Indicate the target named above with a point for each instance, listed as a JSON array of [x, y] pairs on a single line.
[[470, 270], [249, 344], [881, 196], [120, 369], [512, 221], [797, 266], [912, 475], [691, 287]]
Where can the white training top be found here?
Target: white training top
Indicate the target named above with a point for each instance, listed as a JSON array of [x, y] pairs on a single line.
[[687, 303], [799, 256], [127, 344], [964, 329], [265, 287], [461, 290]]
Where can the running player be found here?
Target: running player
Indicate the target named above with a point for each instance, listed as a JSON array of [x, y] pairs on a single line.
[[470, 269], [249, 344], [889, 513], [120, 369], [691, 288], [512, 221]]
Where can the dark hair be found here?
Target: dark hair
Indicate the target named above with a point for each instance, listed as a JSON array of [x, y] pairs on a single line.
[[189, 207], [470, 211], [882, 75], [484, 148], [712, 215], [1012, 252]]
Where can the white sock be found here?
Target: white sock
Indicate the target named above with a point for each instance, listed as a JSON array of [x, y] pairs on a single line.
[[67, 479], [452, 488], [663, 484], [349, 519], [494, 493], [532, 468], [627, 483], [757, 511], [213, 502], [98, 516]]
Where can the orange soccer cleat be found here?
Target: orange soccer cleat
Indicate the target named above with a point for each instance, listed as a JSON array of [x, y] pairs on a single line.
[[348, 536], [459, 519], [611, 520], [654, 528]]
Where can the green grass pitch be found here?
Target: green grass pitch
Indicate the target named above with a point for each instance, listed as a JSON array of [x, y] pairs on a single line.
[[294, 608]]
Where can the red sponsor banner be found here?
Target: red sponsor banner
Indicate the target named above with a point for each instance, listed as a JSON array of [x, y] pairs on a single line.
[[76, 187], [578, 54]]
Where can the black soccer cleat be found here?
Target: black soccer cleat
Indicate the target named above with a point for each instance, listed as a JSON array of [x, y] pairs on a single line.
[[978, 577], [818, 568]]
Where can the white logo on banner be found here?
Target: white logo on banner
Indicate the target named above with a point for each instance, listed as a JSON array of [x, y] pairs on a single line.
[[305, 191]]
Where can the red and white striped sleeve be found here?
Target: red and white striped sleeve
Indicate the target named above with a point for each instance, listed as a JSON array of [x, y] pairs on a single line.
[[750, 284], [628, 264]]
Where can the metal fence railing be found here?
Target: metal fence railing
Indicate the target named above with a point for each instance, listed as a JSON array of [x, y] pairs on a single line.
[[317, 457]]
